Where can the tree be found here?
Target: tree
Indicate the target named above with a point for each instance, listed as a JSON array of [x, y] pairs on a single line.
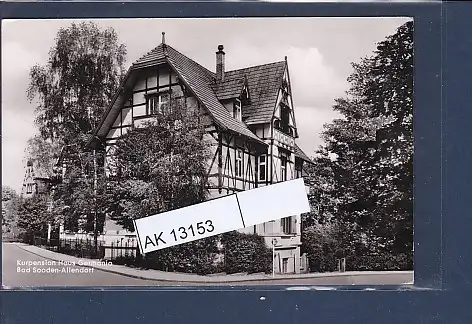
[[45, 154], [33, 218], [81, 193], [322, 196], [158, 167], [10, 202], [83, 72], [319, 243], [370, 152]]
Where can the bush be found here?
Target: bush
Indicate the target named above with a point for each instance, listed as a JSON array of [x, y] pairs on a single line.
[[318, 244], [324, 248], [380, 262], [245, 253], [192, 257]]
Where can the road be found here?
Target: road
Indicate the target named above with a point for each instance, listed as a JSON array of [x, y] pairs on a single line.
[[14, 258]]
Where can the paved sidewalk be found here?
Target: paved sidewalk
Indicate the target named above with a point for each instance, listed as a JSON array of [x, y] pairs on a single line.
[[184, 277]]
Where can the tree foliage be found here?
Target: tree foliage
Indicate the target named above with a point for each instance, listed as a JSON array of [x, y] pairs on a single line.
[[44, 153], [158, 167], [245, 253], [10, 201], [193, 257], [366, 162], [80, 194], [72, 90], [82, 74], [33, 218], [320, 244]]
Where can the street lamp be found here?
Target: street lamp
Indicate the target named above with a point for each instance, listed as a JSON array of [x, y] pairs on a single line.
[[274, 242]]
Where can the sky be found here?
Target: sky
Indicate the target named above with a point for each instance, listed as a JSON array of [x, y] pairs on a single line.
[[319, 52]]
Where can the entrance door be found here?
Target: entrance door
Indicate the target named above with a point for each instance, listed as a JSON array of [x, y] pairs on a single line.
[[284, 265]]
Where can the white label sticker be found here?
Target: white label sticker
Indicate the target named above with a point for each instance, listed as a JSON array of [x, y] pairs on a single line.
[[222, 215], [188, 224], [276, 201]]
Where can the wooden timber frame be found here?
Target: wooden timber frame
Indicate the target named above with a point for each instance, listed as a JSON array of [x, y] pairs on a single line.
[[224, 156]]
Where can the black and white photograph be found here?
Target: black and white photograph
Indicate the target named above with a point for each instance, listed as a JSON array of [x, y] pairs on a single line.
[[109, 123]]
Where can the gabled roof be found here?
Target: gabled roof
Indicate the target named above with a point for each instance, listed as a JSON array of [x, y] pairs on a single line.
[[229, 89], [300, 154], [196, 77], [39, 171], [200, 85], [264, 82]]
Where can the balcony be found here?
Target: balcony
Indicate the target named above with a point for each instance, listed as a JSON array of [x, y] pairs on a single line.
[[284, 140]]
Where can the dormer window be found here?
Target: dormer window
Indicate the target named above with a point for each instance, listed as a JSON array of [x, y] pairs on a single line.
[[158, 103], [237, 110], [245, 100]]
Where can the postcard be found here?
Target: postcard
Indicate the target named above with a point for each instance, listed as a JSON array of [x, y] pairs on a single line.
[[187, 152]]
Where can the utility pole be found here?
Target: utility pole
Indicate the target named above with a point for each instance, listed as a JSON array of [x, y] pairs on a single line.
[[274, 242], [95, 223], [95, 218]]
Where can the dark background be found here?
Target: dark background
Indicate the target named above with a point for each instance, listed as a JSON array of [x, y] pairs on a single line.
[[443, 174]]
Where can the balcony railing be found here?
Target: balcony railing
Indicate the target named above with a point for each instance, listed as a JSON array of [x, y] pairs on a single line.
[[284, 139]]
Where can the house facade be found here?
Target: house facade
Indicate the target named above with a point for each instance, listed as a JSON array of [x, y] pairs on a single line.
[[249, 120], [34, 181]]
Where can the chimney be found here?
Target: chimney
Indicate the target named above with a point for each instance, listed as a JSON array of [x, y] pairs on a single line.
[[220, 64], [164, 46]]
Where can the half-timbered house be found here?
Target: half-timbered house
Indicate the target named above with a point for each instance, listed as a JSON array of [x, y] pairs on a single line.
[[248, 115], [35, 181]]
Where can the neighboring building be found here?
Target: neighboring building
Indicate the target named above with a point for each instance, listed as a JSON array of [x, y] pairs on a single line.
[[35, 181], [117, 235], [249, 118]]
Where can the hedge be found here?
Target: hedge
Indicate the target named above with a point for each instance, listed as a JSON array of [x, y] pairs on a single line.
[[192, 257], [245, 253]]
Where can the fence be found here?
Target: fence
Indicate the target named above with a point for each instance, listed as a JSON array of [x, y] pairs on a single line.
[[81, 248], [121, 252]]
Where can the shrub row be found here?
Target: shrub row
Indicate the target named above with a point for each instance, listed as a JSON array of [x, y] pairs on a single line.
[[240, 253], [369, 262], [245, 253]]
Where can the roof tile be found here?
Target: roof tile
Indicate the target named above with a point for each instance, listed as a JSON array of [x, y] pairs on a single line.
[[263, 84], [300, 154]]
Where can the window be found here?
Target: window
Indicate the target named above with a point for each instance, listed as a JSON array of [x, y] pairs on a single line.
[[29, 188], [239, 163], [284, 118], [283, 168], [237, 110], [262, 168], [158, 104], [277, 124], [286, 224], [245, 96]]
